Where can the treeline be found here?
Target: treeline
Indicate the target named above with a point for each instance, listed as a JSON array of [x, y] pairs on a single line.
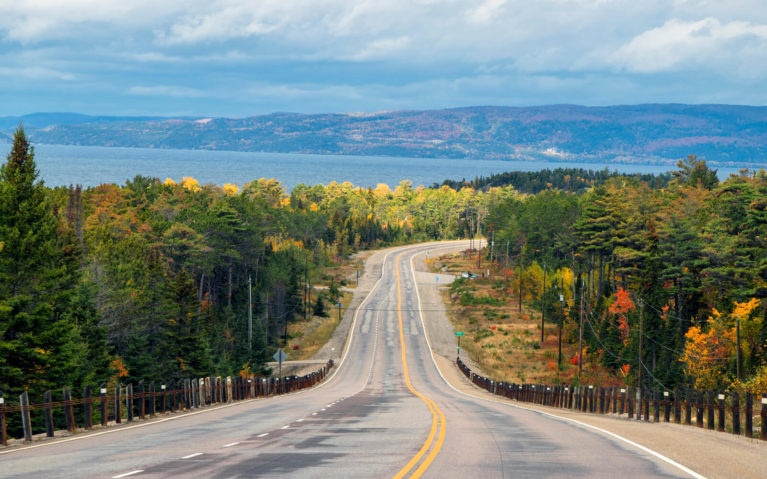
[[149, 280], [683, 267], [574, 180]]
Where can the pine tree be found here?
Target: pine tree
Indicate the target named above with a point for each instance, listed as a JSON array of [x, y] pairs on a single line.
[[38, 347]]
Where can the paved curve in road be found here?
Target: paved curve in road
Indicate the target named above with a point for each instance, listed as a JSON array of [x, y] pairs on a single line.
[[386, 412]]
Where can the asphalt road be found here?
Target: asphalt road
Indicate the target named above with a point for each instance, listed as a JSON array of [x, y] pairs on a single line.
[[383, 414]]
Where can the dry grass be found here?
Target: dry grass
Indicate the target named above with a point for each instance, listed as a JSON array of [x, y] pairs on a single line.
[[307, 337], [505, 342]]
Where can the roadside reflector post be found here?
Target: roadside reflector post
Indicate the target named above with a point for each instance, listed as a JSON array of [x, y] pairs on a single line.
[[26, 422], [103, 394], [68, 410], [3, 428], [163, 395], [666, 407], [48, 413], [720, 422], [622, 401]]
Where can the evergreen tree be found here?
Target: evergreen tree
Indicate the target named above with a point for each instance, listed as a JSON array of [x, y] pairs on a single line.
[[38, 346]]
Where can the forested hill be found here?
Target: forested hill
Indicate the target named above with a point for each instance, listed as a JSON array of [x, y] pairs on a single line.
[[721, 134], [574, 180]]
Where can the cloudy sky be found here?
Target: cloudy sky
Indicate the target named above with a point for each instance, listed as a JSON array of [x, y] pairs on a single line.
[[239, 58]]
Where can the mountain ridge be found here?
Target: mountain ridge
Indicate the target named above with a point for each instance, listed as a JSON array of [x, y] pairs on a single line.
[[734, 135]]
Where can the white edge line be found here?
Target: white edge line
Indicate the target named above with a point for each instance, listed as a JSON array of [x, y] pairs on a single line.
[[262, 435], [608, 433], [192, 455], [323, 383], [128, 474], [230, 444]]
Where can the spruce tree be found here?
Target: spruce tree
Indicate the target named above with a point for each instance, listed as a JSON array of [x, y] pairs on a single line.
[[38, 349]]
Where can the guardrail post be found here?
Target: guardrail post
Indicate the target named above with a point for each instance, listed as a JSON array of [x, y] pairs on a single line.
[[710, 409], [152, 399], [163, 398], [3, 425], [103, 393], [647, 405], [677, 407], [749, 432], [118, 404], [129, 401], [48, 413], [720, 422], [666, 407], [735, 412], [699, 410], [142, 405], [69, 413], [656, 406], [193, 393], [687, 406], [87, 409], [763, 432], [622, 401], [26, 421], [630, 400]]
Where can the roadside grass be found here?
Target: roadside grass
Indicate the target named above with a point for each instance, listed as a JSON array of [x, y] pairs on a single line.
[[307, 337], [504, 341]]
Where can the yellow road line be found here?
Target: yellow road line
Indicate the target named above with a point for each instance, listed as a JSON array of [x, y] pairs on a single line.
[[438, 419]]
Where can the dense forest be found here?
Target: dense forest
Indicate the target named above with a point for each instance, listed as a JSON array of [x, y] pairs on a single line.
[[683, 266], [573, 180], [150, 280]]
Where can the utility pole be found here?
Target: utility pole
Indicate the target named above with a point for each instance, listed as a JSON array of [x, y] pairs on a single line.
[[520, 283], [306, 283], [641, 339], [737, 340], [580, 337], [506, 271], [561, 320], [543, 302], [250, 316], [266, 318]]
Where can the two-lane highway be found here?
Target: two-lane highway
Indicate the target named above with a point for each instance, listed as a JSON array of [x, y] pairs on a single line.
[[386, 412]]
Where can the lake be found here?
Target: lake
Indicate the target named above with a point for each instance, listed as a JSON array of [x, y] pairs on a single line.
[[92, 166]]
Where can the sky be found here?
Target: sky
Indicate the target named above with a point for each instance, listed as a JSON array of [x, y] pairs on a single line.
[[238, 58]]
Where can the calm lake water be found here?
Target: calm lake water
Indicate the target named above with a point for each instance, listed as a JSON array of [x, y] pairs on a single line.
[[92, 166]]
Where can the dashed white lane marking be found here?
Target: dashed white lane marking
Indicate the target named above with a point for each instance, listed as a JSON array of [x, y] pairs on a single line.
[[262, 435], [128, 474], [299, 420], [284, 427], [314, 414], [230, 444], [321, 409], [192, 455]]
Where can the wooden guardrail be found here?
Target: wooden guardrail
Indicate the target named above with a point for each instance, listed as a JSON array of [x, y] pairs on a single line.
[[129, 403], [721, 411]]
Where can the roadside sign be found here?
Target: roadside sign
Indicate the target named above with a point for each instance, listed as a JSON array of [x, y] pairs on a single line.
[[459, 333], [280, 356]]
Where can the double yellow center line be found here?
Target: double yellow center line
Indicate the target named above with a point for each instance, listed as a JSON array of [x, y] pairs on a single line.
[[438, 419]]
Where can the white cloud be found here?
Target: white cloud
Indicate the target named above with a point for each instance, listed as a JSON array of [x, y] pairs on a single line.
[[707, 42], [36, 73]]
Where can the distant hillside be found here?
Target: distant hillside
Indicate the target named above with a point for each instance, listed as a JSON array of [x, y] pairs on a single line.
[[722, 134]]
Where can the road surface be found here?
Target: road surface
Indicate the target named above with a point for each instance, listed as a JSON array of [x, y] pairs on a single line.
[[386, 412]]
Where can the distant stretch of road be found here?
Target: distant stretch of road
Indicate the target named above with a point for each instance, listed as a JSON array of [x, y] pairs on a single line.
[[385, 413]]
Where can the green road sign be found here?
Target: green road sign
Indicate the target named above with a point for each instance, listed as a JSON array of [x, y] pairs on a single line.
[[459, 333]]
